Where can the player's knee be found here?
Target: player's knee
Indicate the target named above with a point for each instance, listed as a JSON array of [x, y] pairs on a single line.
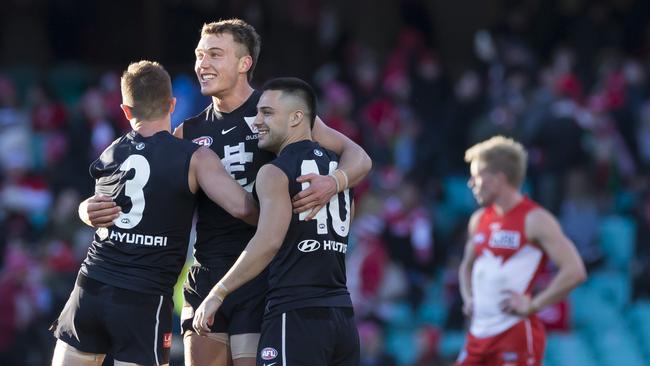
[[67, 355]]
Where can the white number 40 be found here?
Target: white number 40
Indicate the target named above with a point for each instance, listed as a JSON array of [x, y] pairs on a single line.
[[341, 226]]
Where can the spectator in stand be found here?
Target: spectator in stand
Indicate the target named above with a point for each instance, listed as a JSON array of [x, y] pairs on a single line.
[[580, 215], [408, 235]]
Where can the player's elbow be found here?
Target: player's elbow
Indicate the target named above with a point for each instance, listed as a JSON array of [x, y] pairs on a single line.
[[250, 216], [366, 164], [464, 269], [580, 274], [246, 213], [577, 274]]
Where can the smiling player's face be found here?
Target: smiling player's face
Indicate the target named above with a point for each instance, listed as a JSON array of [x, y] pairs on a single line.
[[217, 63], [272, 120]]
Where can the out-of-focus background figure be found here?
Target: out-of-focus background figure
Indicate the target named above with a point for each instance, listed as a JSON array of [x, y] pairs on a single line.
[[415, 82]]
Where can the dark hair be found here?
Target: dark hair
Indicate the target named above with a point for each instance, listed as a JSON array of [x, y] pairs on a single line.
[[147, 89], [298, 88], [242, 33]]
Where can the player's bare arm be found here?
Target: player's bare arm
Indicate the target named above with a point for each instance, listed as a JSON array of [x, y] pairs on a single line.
[[543, 229], [207, 171], [465, 268], [99, 211], [275, 217], [354, 165]]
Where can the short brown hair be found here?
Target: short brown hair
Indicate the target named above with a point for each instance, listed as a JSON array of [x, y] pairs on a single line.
[[147, 89], [242, 33], [501, 154]]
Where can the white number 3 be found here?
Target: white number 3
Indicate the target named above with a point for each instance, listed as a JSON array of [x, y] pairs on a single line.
[[133, 190]]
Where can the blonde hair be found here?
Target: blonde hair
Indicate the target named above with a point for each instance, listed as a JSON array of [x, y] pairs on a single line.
[[147, 89], [501, 154]]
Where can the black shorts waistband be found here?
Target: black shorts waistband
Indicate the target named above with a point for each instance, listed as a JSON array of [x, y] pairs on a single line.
[[323, 312], [117, 293]]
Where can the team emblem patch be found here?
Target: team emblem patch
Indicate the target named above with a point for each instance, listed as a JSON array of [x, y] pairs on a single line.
[[203, 141], [269, 353], [139, 146], [250, 123], [505, 239], [318, 152]]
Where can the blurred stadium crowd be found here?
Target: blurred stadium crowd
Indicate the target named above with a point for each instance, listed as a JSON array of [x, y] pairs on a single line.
[[573, 87]]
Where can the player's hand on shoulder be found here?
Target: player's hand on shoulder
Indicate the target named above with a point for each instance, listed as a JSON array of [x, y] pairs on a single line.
[[320, 191], [99, 211], [204, 314]]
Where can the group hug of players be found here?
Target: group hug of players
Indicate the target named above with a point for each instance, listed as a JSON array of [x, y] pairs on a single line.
[[270, 184]]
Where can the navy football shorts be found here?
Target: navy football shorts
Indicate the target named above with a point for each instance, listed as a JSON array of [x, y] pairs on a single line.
[[128, 325], [240, 313], [316, 336]]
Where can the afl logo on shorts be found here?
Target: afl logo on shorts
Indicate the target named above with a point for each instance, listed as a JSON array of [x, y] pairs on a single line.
[[268, 353], [308, 245], [203, 141]]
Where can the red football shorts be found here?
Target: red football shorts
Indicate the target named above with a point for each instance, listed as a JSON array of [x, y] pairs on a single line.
[[521, 345]]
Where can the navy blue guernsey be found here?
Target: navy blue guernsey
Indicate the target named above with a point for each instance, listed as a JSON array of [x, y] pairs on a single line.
[[309, 268], [146, 247], [220, 237]]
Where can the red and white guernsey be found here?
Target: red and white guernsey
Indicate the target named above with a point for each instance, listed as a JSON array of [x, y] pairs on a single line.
[[505, 260]]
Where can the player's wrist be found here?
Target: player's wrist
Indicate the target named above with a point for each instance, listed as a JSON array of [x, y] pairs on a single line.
[[220, 291], [336, 181], [341, 179]]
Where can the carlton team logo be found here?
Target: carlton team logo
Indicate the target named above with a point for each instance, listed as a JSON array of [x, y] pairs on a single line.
[[203, 141], [268, 353]]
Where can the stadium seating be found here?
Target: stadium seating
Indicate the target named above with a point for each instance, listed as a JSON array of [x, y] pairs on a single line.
[[639, 320], [568, 349], [402, 345], [617, 236]]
